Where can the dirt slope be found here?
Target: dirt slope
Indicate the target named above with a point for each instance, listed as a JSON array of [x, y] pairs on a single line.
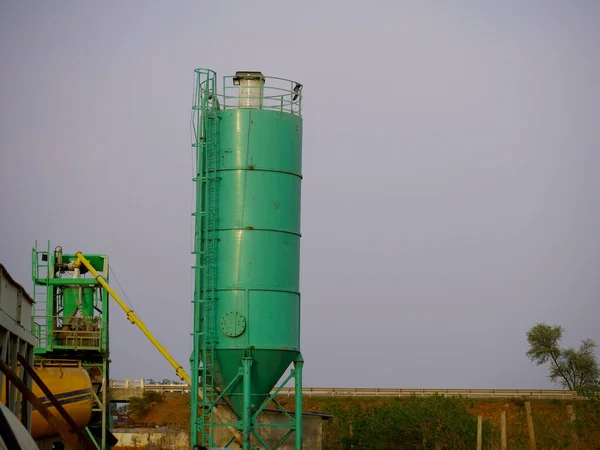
[[551, 418]]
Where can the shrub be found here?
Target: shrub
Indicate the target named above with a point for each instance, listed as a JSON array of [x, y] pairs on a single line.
[[140, 406], [416, 423]]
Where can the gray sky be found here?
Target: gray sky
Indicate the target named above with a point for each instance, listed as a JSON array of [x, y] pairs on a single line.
[[450, 171]]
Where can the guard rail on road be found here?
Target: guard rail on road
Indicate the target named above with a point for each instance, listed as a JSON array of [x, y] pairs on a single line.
[[467, 393], [140, 386]]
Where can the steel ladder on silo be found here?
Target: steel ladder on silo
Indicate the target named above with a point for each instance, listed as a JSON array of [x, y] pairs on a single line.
[[208, 269]]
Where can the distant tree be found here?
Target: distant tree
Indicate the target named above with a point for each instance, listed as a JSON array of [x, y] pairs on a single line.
[[573, 369], [122, 410]]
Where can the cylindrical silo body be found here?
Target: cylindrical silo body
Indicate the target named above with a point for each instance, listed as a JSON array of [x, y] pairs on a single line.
[[248, 147], [258, 247]]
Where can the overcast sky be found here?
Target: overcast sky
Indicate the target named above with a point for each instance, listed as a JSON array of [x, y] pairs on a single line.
[[450, 192]]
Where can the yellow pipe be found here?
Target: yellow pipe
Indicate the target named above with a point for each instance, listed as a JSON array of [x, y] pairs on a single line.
[[133, 318], [223, 414]]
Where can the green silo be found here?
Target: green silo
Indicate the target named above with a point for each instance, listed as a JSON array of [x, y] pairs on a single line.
[[247, 246]]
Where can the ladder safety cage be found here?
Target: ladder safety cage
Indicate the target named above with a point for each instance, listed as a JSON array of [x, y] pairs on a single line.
[[205, 124]]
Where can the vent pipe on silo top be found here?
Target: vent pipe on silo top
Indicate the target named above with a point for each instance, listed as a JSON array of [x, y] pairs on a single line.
[[251, 86]]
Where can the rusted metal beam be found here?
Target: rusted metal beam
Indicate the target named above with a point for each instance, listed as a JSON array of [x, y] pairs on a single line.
[[50, 396], [57, 424]]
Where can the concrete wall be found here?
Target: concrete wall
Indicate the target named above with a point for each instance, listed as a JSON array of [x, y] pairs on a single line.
[[312, 431], [169, 439], [151, 439], [124, 395]]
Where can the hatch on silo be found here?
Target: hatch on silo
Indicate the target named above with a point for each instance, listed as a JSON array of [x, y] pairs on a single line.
[[251, 88]]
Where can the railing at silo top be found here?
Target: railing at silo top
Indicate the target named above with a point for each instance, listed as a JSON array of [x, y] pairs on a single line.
[[273, 94]]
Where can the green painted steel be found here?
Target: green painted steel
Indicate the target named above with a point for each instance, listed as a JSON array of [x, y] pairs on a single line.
[[78, 298], [70, 323], [247, 247], [258, 253], [204, 121]]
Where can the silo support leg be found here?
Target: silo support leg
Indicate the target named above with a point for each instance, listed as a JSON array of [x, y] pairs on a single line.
[[247, 366], [298, 392]]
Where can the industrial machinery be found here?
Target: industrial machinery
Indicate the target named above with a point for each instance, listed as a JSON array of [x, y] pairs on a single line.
[[72, 353], [71, 325], [73, 386], [16, 340], [248, 147], [27, 395]]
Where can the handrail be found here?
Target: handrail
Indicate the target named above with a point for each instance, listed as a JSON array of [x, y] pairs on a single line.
[[140, 384], [273, 94], [70, 338], [133, 318]]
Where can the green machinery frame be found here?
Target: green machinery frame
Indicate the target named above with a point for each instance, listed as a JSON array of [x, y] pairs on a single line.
[[239, 393], [69, 332]]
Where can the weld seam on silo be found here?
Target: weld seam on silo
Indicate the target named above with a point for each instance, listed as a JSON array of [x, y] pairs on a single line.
[[254, 169], [284, 291], [270, 230]]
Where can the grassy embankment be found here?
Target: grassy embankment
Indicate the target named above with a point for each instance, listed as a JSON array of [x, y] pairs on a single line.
[[411, 423]]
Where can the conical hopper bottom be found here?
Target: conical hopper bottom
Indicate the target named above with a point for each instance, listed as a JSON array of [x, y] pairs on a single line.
[[267, 368]]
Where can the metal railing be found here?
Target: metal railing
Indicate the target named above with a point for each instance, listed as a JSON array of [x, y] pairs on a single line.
[[270, 93], [274, 93], [58, 331], [141, 385], [546, 394], [467, 393]]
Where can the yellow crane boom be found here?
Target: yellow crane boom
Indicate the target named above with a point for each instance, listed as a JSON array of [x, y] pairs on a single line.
[[223, 414], [133, 318]]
